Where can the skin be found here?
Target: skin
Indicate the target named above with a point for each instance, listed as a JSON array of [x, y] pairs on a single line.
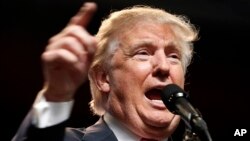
[[68, 56], [147, 59]]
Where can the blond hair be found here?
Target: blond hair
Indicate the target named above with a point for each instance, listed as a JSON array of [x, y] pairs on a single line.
[[119, 21]]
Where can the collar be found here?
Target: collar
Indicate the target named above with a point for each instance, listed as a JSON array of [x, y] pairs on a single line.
[[120, 131]]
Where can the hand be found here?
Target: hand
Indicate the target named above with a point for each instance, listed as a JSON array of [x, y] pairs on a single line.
[[68, 56]]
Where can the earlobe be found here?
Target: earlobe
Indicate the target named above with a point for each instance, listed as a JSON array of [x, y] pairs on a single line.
[[102, 82]]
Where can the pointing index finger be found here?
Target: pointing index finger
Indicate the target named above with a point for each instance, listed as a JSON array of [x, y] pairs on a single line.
[[84, 15]]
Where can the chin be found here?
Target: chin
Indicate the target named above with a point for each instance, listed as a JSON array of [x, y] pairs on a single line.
[[160, 118], [165, 131], [162, 126], [159, 133]]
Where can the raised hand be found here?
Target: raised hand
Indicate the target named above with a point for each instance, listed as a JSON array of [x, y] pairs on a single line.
[[68, 56]]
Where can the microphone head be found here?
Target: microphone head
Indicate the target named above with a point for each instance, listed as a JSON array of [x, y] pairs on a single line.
[[170, 93]]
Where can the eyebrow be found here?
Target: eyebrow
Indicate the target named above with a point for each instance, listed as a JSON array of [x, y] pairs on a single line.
[[152, 43], [146, 43]]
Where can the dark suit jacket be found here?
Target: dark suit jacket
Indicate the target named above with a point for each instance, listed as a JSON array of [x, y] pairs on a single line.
[[97, 132]]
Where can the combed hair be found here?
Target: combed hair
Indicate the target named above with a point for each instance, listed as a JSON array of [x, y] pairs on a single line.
[[120, 21]]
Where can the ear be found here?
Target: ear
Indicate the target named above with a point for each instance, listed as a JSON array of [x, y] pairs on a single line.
[[102, 81]]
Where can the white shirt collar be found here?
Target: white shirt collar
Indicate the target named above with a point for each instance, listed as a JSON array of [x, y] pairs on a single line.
[[120, 131]]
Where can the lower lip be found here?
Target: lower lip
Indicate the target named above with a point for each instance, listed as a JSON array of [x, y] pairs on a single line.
[[158, 104]]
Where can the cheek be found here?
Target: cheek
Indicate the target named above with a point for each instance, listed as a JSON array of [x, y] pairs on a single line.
[[178, 75], [135, 72], [129, 78], [139, 76], [123, 81], [143, 67]]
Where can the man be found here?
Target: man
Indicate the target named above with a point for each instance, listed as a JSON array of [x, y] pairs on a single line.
[[135, 54]]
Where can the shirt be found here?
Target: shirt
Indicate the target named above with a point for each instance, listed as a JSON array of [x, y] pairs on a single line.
[[51, 113]]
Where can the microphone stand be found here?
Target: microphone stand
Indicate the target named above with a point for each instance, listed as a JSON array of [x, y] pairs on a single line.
[[192, 117], [196, 129]]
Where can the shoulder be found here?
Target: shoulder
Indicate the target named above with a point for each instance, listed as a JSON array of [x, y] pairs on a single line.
[[74, 134], [97, 132]]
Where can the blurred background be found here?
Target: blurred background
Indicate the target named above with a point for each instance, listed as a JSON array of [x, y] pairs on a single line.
[[217, 80]]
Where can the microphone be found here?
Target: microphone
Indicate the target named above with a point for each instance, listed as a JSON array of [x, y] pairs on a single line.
[[176, 100]]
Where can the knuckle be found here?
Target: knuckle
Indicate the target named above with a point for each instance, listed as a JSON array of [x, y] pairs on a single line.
[[93, 41], [45, 56], [69, 41], [52, 39], [73, 28]]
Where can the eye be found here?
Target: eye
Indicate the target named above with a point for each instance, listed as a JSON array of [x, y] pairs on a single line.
[[174, 56], [142, 55], [143, 52]]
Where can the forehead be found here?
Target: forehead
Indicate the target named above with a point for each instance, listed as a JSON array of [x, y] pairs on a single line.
[[148, 33]]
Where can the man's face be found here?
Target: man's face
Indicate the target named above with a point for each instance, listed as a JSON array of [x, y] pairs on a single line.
[[147, 60]]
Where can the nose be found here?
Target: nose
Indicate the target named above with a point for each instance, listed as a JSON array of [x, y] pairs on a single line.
[[161, 67]]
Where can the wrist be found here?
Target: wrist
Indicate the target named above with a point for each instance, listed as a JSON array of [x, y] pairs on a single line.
[[57, 96]]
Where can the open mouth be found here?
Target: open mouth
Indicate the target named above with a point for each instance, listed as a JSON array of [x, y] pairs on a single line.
[[153, 94]]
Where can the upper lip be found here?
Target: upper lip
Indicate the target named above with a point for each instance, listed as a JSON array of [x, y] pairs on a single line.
[[158, 87]]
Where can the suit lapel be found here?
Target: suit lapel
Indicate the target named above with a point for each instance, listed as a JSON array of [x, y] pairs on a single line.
[[99, 132]]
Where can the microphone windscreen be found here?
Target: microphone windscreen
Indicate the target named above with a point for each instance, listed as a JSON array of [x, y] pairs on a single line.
[[169, 95], [171, 89]]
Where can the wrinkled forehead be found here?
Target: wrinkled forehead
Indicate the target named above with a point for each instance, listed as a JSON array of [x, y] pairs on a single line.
[[133, 23], [148, 33]]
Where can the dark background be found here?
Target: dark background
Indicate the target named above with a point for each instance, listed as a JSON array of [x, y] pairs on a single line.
[[218, 78]]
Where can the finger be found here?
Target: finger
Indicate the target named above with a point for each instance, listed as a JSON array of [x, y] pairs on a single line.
[[64, 61], [88, 41], [69, 43], [84, 15], [60, 56]]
